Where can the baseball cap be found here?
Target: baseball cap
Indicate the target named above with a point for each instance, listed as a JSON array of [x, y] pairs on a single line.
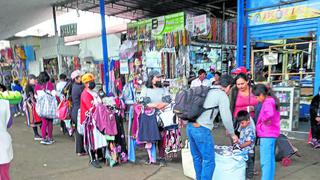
[[88, 77], [75, 74], [239, 70], [212, 67], [154, 73]]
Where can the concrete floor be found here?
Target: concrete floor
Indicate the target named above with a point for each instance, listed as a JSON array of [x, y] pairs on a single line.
[[33, 161]]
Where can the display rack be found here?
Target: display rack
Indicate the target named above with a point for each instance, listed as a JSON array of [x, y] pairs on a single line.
[[289, 99]]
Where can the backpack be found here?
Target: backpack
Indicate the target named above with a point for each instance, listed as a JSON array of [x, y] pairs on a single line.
[[189, 103]]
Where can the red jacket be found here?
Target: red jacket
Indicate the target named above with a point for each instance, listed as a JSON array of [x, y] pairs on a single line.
[[86, 103]]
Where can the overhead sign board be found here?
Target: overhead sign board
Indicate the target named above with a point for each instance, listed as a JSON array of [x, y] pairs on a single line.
[[68, 30]]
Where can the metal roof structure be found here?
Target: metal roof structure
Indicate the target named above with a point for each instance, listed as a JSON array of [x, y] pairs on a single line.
[[141, 9]]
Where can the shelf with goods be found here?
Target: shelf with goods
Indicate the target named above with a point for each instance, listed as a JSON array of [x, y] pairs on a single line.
[[289, 100]]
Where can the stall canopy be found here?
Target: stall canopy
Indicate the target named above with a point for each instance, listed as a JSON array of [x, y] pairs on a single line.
[[140, 9]]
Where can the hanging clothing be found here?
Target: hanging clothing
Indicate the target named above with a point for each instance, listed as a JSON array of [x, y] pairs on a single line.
[[105, 120], [86, 104], [148, 127], [172, 142], [93, 138]]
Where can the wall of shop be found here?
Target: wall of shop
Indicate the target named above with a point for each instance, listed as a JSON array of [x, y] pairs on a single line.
[[272, 20], [95, 46]]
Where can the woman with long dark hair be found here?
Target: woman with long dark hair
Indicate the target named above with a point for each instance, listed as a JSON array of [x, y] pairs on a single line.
[[44, 84], [29, 90], [155, 91], [268, 129]]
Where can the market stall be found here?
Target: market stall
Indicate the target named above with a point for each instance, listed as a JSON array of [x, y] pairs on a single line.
[[283, 52]]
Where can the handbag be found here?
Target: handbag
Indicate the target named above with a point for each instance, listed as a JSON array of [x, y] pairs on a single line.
[[187, 161], [46, 105], [166, 117], [63, 111], [80, 127]]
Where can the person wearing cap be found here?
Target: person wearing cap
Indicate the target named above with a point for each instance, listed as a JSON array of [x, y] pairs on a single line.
[[29, 90], [199, 133], [155, 91], [76, 89], [88, 99], [201, 80], [212, 71]]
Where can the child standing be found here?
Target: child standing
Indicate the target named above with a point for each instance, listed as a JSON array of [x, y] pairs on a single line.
[[6, 153], [15, 86], [268, 129], [247, 140]]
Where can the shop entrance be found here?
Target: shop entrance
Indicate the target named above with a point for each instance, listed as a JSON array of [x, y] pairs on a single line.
[[289, 66]]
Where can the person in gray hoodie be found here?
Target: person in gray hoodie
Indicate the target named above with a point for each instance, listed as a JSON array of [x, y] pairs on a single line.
[[199, 133]]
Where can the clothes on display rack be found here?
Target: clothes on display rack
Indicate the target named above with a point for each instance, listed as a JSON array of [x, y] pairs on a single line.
[[105, 120], [148, 127], [172, 141]]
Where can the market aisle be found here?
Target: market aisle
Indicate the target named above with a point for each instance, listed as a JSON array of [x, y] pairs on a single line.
[[35, 161], [38, 162]]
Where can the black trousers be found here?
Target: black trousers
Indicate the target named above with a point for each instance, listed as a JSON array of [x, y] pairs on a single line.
[[250, 166], [79, 141], [315, 129]]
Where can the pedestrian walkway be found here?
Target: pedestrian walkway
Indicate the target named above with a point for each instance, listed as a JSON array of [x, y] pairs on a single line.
[[31, 161]]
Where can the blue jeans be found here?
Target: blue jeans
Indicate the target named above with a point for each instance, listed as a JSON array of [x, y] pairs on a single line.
[[267, 158], [202, 150]]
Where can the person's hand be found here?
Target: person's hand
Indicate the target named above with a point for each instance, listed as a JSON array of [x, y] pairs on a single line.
[[235, 138], [318, 119]]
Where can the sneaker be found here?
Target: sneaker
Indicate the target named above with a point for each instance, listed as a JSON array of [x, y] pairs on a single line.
[[95, 164], [16, 115], [50, 141], [43, 141], [37, 138], [317, 145], [313, 142], [163, 163]]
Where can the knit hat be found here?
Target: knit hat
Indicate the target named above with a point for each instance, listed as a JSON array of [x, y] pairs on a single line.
[[75, 74], [88, 77]]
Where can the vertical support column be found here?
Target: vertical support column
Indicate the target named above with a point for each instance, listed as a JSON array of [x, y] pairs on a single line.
[[104, 46], [317, 68], [55, 20], [248, 43], [240, 28]]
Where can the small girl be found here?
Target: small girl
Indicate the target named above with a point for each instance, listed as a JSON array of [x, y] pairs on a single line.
[[268, 129], [6, 153]]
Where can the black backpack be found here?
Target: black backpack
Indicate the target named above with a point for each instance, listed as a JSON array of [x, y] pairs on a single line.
[[189, 103]]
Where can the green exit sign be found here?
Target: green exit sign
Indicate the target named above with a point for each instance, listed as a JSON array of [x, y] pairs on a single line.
[[68, 30]]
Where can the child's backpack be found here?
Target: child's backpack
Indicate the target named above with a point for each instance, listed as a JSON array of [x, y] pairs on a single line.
[[189, 103]]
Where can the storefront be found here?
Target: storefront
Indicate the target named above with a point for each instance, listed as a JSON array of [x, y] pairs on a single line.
[[284, 41]]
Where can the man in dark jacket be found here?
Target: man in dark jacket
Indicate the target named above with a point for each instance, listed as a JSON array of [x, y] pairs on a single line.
[[315, 120]]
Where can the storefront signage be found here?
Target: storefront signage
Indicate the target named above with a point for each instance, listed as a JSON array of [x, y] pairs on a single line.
[[155, 27], [278, 15], [68, 30], [270, 59], [198, 25]]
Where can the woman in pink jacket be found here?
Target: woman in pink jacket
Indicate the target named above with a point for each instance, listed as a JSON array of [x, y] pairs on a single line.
[[268, 129]]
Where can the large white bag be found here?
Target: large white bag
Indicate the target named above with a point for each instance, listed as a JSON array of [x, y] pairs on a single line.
[[187, 161], [229, 167]]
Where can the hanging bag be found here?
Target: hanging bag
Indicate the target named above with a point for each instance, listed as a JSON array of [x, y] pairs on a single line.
[[46, 105], [187, 161], [63, 111]]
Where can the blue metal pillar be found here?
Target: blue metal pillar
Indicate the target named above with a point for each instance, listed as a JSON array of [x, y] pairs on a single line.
[[240, 30], [248, 43], [104, 46], [317, 68]]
